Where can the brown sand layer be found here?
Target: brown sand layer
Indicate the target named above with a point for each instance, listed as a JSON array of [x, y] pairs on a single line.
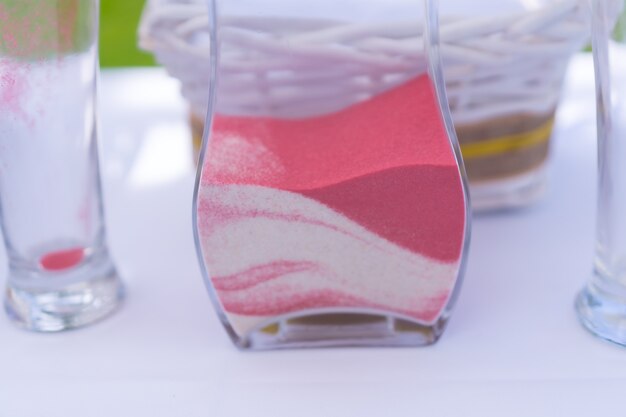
[[197, 129], [520, 156], [506, 165], [351, 319]]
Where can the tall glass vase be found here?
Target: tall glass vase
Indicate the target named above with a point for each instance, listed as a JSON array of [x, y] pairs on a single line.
[[601, 305], [60, 272], [330, 203]]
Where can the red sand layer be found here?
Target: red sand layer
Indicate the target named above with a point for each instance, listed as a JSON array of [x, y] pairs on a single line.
[[401, 127], [60, 260], [420, 208]]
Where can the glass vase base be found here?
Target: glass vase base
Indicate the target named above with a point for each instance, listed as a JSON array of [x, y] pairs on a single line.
[[603, 315], [509, 193], [67, 308], [342, 330]]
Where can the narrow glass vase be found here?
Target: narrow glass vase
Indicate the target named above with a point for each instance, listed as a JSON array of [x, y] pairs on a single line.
[[60, 273], [330, 203], [601, 305]]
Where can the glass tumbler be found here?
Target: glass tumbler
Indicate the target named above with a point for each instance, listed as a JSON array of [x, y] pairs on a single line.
[[601, 305], [330, 202], [60, 272], [504, 64]]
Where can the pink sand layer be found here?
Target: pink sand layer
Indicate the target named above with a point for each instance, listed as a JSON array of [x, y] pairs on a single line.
[[385, 163], [401, 127], [272, 252], [268, 301]]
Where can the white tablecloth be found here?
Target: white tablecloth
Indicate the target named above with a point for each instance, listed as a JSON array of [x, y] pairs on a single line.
[[513, 347]]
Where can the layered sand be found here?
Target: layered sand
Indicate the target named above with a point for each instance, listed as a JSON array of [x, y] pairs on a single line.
[[362, 208]]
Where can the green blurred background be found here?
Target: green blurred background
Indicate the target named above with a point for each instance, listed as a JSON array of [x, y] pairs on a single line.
[[118, 34]]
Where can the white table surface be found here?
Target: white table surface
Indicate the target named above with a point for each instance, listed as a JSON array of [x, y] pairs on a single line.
[[513, 347]]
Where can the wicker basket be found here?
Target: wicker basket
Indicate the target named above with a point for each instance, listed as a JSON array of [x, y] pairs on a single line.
[[503, 75]]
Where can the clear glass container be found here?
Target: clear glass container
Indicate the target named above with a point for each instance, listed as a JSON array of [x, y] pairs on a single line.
[[601, 305], [330, 204], [504, 64], [60, 273]]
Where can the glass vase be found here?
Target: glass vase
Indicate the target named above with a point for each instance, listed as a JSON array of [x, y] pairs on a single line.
[[504, 65], [60, 273], [601, 305], [330, 203]]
